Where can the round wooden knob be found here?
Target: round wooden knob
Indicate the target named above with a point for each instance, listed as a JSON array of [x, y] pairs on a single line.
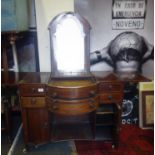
[[45, 125], [92, 93], [33, 90]]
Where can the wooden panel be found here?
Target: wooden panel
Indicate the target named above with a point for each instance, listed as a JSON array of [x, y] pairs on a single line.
[[32, 90], [33, 102], [72, 107], [38, 126], [110, 97]]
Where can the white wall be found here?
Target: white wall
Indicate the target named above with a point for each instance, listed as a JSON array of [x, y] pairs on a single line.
[[45, 11]]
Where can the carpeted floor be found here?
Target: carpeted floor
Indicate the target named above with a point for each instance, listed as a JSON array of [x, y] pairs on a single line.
[[133, 141]]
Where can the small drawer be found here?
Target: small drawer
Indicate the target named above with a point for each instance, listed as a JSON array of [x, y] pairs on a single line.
[[33, 102], [107, 86], [32, 90], [110, 97], [72, 107]]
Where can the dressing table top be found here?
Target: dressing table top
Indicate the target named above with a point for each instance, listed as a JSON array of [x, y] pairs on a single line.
[[14, 78]]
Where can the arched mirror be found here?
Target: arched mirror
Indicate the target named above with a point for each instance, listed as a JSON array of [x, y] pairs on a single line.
[[70, 45]]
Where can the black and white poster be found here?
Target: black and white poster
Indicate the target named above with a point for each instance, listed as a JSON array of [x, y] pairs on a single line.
[[126, 52]]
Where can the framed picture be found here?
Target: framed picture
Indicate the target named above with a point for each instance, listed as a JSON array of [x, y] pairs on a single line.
[[147, 108]]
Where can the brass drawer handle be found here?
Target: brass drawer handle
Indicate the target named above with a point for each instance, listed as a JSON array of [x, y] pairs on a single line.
[[110, 86], [110, 97], [45, 125], [91, 103], [55, 105], [33, 100]]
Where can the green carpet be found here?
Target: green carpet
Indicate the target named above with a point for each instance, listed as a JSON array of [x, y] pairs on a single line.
[[55, 148]]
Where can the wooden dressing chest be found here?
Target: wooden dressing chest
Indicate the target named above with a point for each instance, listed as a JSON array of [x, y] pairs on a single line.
[[79, 109]]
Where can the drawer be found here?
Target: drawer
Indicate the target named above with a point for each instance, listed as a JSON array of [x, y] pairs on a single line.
[[72, 107], [111, 97], [72, 93], [32, 90], [107, 86], [33, 102]]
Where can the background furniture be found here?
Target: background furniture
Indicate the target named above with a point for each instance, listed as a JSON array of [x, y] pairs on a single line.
[[9, 87]]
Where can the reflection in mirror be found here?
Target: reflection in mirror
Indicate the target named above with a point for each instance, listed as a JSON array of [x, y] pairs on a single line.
[[69, 46]]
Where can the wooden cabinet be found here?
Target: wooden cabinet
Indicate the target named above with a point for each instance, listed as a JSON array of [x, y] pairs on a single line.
[[70, 109], [35, 115]]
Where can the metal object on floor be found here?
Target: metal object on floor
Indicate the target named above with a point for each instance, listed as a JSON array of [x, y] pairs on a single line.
[[15, 141]]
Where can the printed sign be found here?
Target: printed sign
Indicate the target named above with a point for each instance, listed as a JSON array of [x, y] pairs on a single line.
[[128, 14]]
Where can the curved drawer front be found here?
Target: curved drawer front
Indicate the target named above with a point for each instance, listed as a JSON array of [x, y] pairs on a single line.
[[72, 92], [72, 107], [33, 102]]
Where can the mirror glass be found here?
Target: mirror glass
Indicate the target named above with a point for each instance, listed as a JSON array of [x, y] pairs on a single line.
[[69, 46]]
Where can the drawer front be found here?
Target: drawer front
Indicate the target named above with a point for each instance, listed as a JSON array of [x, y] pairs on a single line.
[[72, 93], [33, 102], [110, 97], [72, 107], [32, 90], [108, 87]]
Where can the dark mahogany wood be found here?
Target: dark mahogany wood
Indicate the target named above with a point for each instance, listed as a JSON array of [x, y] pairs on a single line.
[[36, 124]]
